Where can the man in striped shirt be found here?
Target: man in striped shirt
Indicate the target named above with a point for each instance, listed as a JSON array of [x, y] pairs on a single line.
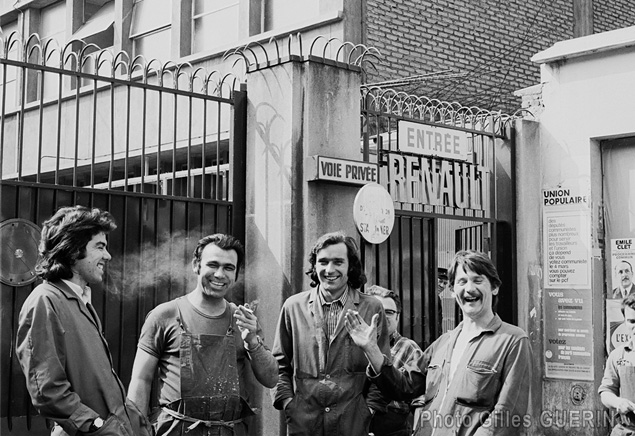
[[392, 418]]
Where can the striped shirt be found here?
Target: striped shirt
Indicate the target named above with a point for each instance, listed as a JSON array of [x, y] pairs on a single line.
[[332, 311]]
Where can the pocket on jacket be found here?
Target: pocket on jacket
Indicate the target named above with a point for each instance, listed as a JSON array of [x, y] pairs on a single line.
[[433, 379], [139, 422], [481, 385]]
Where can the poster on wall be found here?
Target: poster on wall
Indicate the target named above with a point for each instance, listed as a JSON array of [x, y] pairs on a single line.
[[568, 310], [568, 334], [620, 285], [566, 242]]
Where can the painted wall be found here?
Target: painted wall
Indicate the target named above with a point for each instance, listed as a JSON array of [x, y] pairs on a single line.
[[586, 94]]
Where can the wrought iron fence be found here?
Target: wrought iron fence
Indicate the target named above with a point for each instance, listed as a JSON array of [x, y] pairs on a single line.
[[83, 116]]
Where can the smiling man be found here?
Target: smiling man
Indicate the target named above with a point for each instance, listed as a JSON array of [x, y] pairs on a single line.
[[60, 345], [204, 348], [475, 379], [624, 272], [322, 382]]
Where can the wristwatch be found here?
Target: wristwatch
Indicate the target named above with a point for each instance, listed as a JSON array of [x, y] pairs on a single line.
[[96, 424]]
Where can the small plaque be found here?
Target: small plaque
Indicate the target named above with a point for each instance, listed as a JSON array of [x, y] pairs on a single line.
[[374, 213]]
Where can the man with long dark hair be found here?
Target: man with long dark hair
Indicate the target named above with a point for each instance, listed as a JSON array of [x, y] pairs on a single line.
[[322, 384], [60, 345]]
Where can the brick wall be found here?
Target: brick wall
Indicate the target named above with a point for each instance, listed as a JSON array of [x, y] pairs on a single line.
[[476, 52]]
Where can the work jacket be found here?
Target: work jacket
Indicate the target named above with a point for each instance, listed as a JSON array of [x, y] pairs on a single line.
[[487, 395], [68, 366], [325, 379]]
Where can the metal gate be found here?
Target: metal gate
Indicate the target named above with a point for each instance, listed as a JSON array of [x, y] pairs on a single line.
[[451, 191], [159, 146]]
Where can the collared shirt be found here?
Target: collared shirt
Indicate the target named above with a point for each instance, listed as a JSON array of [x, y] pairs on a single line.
[[332, 311], [403, 350], [489, 390], [83, 293]]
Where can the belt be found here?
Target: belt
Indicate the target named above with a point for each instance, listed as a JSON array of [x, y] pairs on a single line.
[[196, 422]]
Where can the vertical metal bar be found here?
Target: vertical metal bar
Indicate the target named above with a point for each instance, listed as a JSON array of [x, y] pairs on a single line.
[[41, 124], [189, 147], [218, 123], [21, 123], [111, 167], [127, 155], [160, 114], [143, 139], [238, 165], [75, 160], [76, 157], [94, 138], [3, 115], [59, 126], [174, 145], [203, 149]]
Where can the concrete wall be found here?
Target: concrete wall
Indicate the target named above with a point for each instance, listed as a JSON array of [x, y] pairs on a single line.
[[586, 95], [295, 110]]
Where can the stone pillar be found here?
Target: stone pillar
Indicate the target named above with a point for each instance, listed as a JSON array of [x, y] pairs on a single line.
[[295, 109]]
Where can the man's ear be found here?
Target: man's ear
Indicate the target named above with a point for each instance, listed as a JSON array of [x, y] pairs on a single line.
[[495, 291]]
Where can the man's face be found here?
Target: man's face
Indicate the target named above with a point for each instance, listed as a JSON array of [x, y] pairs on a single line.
[[473, 293], [442, 283], [625, 274], [629, 319], [91, 267], [392, 316], [217, 271], [331, 266]]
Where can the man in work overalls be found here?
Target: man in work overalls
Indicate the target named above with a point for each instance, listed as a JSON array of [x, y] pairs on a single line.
[[203, 347], [617, 390]]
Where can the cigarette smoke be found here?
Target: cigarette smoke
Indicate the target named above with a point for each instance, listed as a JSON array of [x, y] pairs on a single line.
[[162, 269]]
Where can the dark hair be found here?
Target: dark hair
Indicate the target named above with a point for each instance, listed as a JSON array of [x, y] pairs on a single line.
[[479, 263], [223, 241], [626, 262], [64, 239], [385, 293], [356, 276], [628, 301]]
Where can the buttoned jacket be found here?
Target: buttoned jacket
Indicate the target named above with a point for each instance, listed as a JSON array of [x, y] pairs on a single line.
[[67, 363], [326, 379]]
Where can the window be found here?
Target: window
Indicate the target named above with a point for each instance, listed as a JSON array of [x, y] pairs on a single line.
[[282, 13], [10, 86], [214, 23], [98, 27], [53, 27], [150, 29]]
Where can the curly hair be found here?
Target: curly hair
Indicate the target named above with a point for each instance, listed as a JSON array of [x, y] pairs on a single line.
[[479, 263], [356, 276], [223, 241], [64, 239], [628, 301]]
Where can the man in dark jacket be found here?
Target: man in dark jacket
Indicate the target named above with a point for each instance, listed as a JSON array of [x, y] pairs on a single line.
[[60, 346], [323, 384]]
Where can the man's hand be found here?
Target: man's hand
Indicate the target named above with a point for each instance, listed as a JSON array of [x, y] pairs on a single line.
[[364, 335], [248, 325], [624, 406]]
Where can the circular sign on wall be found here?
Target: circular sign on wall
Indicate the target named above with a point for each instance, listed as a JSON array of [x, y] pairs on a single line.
[[19, 241], [374, 213]]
